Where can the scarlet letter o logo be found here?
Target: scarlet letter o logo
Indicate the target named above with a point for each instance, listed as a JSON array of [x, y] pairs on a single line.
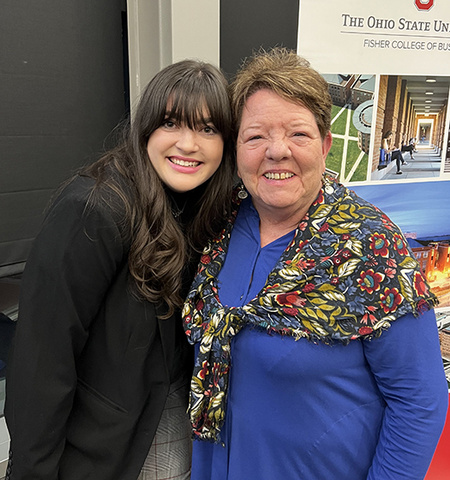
[[424, 4]]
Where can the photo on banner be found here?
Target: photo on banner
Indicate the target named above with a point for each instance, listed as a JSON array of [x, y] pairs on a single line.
[[351, 119], [386, 64]]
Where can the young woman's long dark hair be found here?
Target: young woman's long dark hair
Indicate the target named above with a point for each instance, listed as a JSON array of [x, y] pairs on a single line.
[[159, 249]]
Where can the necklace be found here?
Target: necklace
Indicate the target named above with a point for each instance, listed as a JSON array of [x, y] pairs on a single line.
[[177, 211]]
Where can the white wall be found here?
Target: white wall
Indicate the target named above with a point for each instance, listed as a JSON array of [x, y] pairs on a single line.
[[161, 32]]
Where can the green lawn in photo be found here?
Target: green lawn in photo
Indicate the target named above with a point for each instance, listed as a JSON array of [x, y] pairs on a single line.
[[360, 174], [353, 152], [353, 132], [339, 125], [334, 158]]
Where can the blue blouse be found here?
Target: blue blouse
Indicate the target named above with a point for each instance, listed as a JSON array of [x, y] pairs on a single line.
[[297, 410]]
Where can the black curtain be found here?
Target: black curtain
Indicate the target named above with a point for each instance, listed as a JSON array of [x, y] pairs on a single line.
[[247, 25], [62, 90]]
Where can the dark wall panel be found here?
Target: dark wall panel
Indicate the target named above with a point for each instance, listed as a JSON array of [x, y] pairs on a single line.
[[61, 93], [245, 26]]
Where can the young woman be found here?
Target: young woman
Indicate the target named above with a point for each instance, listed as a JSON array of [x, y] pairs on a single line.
[[100, 368], [396, 154]]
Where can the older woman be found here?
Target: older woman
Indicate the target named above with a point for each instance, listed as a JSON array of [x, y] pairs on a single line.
[[318, 354]]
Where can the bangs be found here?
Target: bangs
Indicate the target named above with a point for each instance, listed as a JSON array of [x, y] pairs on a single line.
[[198, 102], [188, 92]]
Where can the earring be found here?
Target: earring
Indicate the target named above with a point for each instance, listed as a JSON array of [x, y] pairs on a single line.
[[242, 194]]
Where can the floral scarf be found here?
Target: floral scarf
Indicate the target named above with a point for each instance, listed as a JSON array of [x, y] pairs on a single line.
[[347, 274]]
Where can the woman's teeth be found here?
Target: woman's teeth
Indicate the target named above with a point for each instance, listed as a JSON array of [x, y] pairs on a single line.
[[184, 163], [278, 176]]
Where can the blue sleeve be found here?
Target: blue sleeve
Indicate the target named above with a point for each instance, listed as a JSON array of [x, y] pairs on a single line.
[[407, 365]]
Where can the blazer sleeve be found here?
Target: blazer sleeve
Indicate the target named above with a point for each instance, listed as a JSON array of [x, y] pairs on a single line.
[[407, 365], [72, 263]]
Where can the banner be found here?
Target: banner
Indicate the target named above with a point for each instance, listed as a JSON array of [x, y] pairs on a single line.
[[387, 66]]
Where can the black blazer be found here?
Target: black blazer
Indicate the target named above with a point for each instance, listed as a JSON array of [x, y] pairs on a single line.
[[90, 365]]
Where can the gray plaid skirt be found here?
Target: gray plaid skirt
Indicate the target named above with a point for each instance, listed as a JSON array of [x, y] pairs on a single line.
[[169, 457]]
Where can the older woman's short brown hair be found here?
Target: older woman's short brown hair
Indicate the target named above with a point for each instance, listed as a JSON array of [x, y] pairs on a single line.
[[287, 74]]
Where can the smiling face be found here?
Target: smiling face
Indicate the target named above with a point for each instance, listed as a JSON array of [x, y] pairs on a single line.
[[280, 155], [184, 158]]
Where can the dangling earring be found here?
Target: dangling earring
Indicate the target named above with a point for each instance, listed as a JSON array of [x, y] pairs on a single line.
[[242, 194]]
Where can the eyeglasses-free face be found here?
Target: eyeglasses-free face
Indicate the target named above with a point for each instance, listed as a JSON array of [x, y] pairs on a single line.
[[184, 158], [280, 155]]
